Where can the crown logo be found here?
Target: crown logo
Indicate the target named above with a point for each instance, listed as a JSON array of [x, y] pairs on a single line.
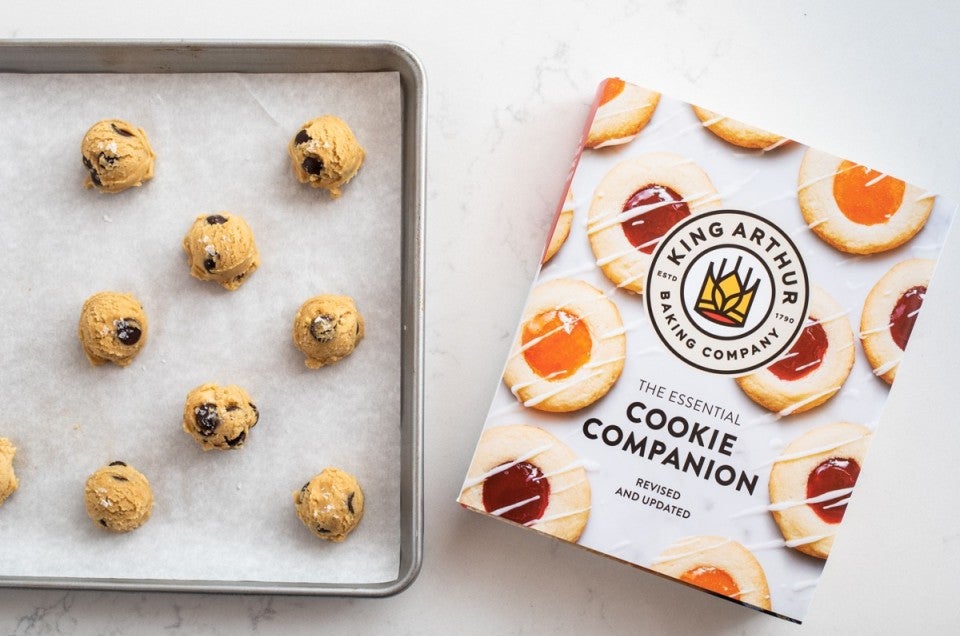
[[725, 298]]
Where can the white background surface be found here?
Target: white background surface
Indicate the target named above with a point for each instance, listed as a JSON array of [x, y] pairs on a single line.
[[509, 85]]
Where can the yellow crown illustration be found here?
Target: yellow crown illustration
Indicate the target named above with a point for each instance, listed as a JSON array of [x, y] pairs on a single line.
[[725, 298]]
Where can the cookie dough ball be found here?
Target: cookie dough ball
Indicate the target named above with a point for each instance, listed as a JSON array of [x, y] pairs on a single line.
[[330, 504], [325, 154], [8, 480], [116, 155], [220, 247], [118, 497], [113, 328], [219, 416], [326, 329]]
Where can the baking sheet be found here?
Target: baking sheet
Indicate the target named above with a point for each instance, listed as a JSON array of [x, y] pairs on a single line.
[[221, 145]]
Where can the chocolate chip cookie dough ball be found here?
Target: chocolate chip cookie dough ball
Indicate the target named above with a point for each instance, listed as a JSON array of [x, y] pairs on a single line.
[[219, 416], [220, 247], [116, 155], [326, 329], [118, 497], [8, 480], [325, 154], [330, 504], [113, 328]]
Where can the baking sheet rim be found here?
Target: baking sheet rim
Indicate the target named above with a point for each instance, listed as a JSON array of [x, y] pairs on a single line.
[[60, 56]]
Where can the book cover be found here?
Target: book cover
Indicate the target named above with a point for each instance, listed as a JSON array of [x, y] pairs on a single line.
[[706, 350]]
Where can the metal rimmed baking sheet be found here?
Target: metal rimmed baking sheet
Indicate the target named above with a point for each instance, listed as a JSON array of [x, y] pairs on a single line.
[[235, 533]]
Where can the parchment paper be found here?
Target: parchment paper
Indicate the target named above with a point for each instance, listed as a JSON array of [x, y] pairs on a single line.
[[221, 145]]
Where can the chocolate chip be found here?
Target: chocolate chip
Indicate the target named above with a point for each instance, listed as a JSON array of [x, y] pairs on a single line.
[[119, 478], [209, 264], [324, 327], [95, 178], [301, 138], [206, 418], [128, 331], [86, 162], [238, 440], [232, 407], [239, 277], [216, 219], [106, 160], [117, 463], [103, 522], [313, 165], [350, 502], [256, 414], [121, 131], [322, 530]]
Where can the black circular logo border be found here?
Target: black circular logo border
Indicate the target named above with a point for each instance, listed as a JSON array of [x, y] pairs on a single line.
[[651, 273]]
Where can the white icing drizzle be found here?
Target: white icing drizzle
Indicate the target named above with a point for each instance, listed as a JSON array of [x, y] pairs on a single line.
[[501, 511], [544, 520], [613, 333], [590, 466], [606, 111], [792, 543], [628, 281], [606, 221], [775, 145], [615, 142], [880, 177], [816, 396], [786, 505], [630, 326], [799, 586], [572, 273], [556, 491], [831, 175], [711, 122], [925, 195], [618, 255], [811, 452], [683, 555], [883, 368], [558, 389], [502, 467]]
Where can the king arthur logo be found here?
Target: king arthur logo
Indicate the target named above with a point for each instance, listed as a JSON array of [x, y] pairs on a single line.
[[727, 292], [725, 298]]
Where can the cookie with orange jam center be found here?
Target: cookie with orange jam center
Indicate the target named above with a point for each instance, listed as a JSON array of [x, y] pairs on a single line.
[[570, 348], [866, 196], [556, 344], [712, 579], [719, 565], [623, 109], [856, 209]]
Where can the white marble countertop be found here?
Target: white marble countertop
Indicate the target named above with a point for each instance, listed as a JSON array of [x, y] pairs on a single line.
[[507, 84]]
